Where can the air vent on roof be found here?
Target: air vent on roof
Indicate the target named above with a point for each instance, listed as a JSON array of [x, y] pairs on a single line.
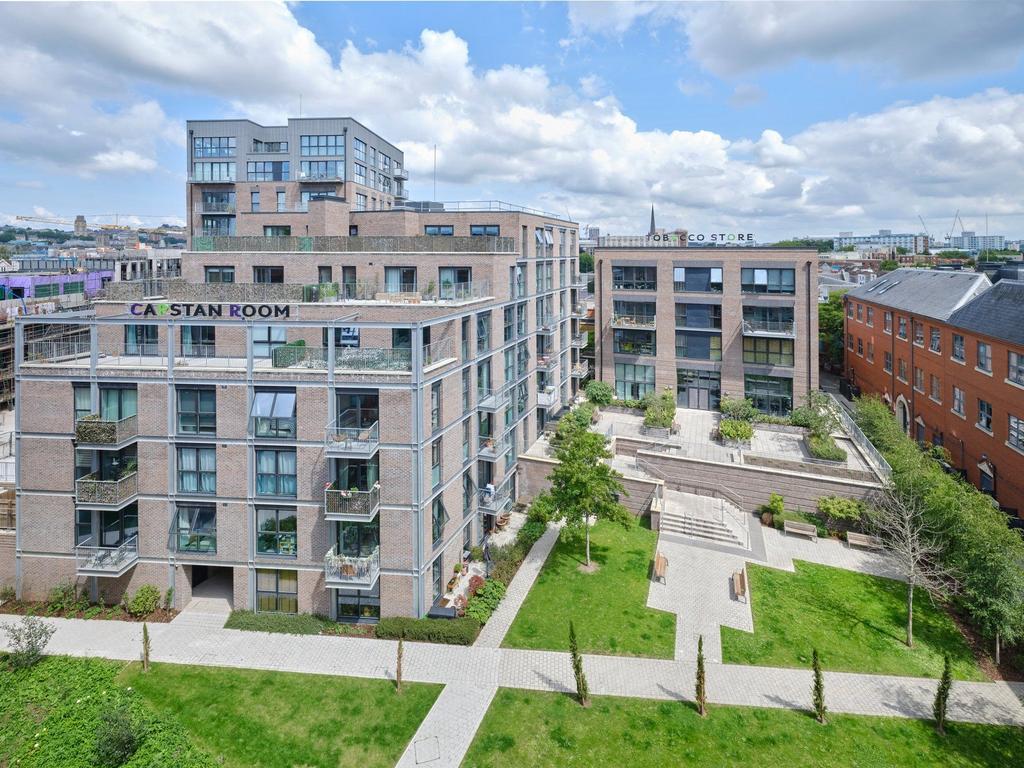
[[894, 283], [879, 284]]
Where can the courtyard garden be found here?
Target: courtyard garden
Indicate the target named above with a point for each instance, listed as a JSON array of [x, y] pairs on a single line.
[[549, 729], [855, 620], [608, 605]]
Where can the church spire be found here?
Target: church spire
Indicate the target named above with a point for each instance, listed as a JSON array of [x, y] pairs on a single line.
[[652, 221]]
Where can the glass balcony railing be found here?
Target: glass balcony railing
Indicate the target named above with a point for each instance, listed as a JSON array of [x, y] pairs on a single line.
[[351, 505], [547, 362], [547, 397], [579, 340], [106, 561], [492, 399], [769, 327], [94, 430], [494, 500], [345, 437], [493, 448], [633, 320], [580, 370], [349, 571]]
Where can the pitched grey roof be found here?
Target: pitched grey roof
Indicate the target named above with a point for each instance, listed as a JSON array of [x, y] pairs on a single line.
[[998, 312], [928, 292]]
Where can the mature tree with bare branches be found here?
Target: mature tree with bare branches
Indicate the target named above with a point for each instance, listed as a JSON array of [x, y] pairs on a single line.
[[899, 519]]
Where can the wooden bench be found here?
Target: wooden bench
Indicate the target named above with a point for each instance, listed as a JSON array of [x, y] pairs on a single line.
[[800, 529], [739, 585], [863, 540], [660, 566]]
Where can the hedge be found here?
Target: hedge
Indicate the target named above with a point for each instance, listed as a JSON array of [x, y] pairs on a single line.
[[452, 631]]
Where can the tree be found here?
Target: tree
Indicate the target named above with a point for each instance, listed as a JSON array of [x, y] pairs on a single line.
[[830, 327], [586, 261], [582, 692], [599, 392], [818, 691], [901, 250], [398, 666], [888, 265], [942, 697], [913, 542], [27, 640], [145, 647], [584, 487], [701, 696]]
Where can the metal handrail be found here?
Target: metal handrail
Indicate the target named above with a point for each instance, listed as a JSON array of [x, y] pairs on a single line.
[[343, 435], [357, 504], [634, 319], [873, 455], [351, 568], [95, 558], [770, 326]]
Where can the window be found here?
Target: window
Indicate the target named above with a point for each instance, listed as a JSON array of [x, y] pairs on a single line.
[[322, 169], [770, 394], [870, 316], [918, 379], [317, 146], [141, 340], [902, 332], [437, 578], [118, 403], [699, 315], [935, 387], [694, 345], [849, 309], [902, 370], [276, 532], [766, 351], [697, 279], [435, 463], [198, 340], [213, 171], [360, 202], [919, 333], [281, 202], [984, 357], [958, 347], [887, 362], [436, 230], [1015, 369], [985, 415], [509, 324], [766, 318], [360, 171], [197, 528], [277, 231], [467, 438], [860, 346], [755, 280], [484, 230], [269, 147], [887, 322], [483, 332], [849, 341], [359, 149], [935, 340], [1015, 435], [635, 278], [268, 274], [77, 286], [220, 274], [267, 338], [197, 470], [273, 413], [83, 401], [634, 342], [435, 405], [268, 170], [871, 351], [632, 382], [958, 401], [860, 312], [197, 411], [213, 146], [277, 591], [275, 472], [83, 526], [438, 519]]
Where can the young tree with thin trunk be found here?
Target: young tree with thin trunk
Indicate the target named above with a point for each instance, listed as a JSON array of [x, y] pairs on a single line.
[[913, 544], [818, 691], [582, 692], [145, 648], [398, 666], [701, 696], [584, 486], [942, 697]]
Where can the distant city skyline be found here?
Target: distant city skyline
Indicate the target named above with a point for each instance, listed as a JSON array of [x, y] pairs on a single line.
[[784, 120]]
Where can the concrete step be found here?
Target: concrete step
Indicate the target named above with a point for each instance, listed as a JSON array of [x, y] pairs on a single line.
[[718, 532]]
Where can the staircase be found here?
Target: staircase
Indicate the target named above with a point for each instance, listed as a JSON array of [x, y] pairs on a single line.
[[703, 517]]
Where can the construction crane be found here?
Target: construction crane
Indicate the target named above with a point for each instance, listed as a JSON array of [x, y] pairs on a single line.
[[46, 220], [952, 228], [114, 226], [924, 227]]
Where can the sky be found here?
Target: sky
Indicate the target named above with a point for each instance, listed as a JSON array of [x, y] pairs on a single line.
[[781, 119]]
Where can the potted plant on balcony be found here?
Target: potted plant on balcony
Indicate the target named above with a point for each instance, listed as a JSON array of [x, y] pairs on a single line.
[[130, 468]]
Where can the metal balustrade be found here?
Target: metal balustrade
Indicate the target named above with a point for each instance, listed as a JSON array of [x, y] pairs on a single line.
[[349, 571], [351, 505], [106, 561], [345, 436]]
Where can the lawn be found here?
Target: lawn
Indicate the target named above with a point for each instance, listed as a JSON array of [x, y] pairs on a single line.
[[856, 621], [205, 717], [279, 720], [608, 607], [539, 729]]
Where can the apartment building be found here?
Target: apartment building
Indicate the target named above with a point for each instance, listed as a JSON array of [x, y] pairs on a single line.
[[250, 179], [709, 322], [886, 238], [945, 350], [325, 423]]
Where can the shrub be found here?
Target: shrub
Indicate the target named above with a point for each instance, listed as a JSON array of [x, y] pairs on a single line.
[[118, 737], [504, 571], [279, 623], [486, 601], [7, 593], [838, 508], [476, 554], [636, 404], [779, 519], [458, 568], [734, 429], [660, 410], [767, 418], [452, 631], [824, 447], [27, 640], [541, 510], [145, 600], [738, 408], [475, 582], [169, 599], [599, 393], [776, 504], [64, 598], [528, 535]]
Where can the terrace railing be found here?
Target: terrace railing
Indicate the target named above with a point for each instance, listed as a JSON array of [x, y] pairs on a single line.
[[350, 570], [106, 561]]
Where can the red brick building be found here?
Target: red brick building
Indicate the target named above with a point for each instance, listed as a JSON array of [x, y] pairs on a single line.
[[945, 350]]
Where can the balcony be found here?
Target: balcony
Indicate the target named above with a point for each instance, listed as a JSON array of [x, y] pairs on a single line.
[[547, 397], [578, 281], [92, 430], [343, 439], [321, 177], [547, 324], [401, 174], [437, 353], [349, 572], [579, 340], [90, 491], [493, 448], [634, 320], [495, 500], [547, 362], [492, 400], [769, 328], [580, 371], [207, 206], [106, 561], [352, 505], [579, 310]]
